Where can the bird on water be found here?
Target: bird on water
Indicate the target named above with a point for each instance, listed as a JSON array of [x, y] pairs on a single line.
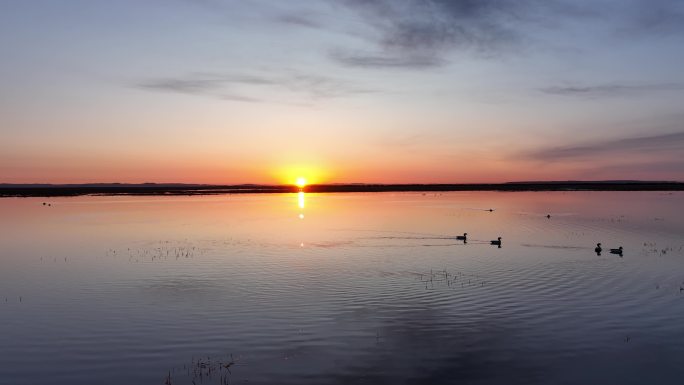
[[463, 237], [598, 248], [616, 251], [497, 242]]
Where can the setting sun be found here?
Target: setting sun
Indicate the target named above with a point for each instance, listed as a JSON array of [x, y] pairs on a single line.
[[301, 174]]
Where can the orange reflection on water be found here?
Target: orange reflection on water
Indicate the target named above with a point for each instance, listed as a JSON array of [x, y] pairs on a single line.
[[300, 203], [73, 226], [301, 199]]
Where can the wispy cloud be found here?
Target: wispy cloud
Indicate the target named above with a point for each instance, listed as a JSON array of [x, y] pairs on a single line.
[[417, 34], [644, 169], [358, 59], [605, 90], [241, 87], [303, 20], [240, 98], [656, 16], [321, 87], [428, 31], [207, 85], [187, 86], [661, 145]]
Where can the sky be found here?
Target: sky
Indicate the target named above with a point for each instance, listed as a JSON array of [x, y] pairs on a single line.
[[337, 91]]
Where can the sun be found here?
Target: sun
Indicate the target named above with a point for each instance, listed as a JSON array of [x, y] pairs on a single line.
[[300, 175]]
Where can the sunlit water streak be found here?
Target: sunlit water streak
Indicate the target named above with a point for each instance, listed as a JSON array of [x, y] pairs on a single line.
[[363, 288]]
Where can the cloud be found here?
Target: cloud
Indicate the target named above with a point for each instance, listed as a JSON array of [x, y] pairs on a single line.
[[187, 86], [226, 86], [423, 34], [385, 61], [661, 146], [208, 85], [429, 31], [240, 98], [656, 16], [321, 87], [611, 89], [645, 169], [418, 33], [303, 20]]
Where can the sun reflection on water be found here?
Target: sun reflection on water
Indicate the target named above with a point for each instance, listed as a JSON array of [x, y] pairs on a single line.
[[300, 197]]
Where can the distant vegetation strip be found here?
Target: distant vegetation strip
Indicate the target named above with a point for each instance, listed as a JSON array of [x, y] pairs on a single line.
[[48, 190]]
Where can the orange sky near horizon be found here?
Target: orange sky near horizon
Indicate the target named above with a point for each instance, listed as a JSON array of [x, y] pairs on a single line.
[[319, 158]]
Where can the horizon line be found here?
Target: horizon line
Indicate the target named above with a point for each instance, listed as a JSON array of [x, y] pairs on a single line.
[[64, 190], [124, 184]]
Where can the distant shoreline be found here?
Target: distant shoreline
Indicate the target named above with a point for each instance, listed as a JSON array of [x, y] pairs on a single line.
[[49, 190]]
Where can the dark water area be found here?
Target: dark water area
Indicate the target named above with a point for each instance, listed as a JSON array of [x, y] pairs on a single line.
[[343, 289]]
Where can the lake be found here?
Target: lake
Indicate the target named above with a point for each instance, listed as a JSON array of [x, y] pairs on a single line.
[[343, 289]]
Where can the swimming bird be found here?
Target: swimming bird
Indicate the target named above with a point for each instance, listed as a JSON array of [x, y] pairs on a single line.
[[548, 216], [462, 237], [598, 248], [497, 242], [616, 251]]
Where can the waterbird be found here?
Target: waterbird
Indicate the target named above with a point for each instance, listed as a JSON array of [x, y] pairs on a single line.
[[548, 216], [616, 251], [462, 237], [496, 242], [598, 248]]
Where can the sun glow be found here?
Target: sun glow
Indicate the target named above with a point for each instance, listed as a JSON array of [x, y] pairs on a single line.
[[300, 175]]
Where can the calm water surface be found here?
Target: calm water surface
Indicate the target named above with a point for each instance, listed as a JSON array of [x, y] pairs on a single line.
[[343, 289]]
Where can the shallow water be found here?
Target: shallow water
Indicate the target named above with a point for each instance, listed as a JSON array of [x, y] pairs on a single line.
[[343, 288]]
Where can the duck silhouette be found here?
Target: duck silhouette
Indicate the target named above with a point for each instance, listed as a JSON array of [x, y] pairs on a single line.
[[617, 251], [463, 237], [497, 242], [598, 249]]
